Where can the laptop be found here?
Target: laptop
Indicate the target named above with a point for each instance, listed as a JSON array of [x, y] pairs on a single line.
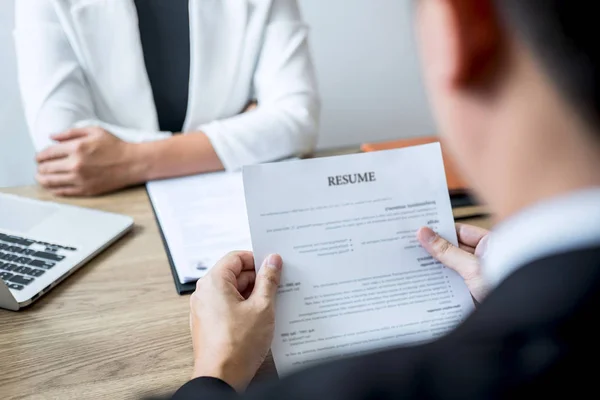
[[42, 243]]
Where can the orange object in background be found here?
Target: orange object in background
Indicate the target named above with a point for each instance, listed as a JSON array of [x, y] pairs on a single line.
[[456, 184]]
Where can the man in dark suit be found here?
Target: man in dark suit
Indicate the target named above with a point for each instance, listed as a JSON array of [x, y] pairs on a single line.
[[515, 85]]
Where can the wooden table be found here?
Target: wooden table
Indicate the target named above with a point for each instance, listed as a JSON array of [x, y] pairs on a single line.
[[116, 329]]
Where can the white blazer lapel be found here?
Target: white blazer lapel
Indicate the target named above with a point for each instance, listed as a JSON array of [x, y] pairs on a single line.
[[109, 43], [218, 28]]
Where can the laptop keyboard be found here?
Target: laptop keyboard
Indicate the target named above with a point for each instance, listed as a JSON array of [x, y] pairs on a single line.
[[23, 260]]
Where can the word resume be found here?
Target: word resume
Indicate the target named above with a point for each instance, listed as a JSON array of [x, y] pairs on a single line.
[[355, 279]]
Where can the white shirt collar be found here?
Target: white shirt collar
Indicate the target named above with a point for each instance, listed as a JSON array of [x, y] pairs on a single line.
[[556, 226]]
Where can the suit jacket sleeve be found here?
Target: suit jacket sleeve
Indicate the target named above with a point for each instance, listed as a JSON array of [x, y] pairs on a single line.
[[206, 388], [286, 121]]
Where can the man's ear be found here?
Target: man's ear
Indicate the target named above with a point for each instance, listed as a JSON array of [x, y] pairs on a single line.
[[480, 39], [462, 39]]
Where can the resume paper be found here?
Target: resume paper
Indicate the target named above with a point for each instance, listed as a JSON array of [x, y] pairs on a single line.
[[355, 278]]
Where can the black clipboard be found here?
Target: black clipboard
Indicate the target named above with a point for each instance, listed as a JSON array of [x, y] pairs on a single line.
[[182, 288]]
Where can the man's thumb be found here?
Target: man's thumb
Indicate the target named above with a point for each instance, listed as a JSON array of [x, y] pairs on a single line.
[[464, 263], [268, 277]]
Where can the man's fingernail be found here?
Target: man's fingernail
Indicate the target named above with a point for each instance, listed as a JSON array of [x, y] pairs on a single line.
[[482, 247], [273, 261], [429, 235]]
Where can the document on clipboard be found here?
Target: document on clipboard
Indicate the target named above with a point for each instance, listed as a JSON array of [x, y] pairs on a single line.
[[201, 218]]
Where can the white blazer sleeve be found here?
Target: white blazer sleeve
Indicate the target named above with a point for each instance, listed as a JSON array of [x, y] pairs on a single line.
[[286, 120], [53, 87]]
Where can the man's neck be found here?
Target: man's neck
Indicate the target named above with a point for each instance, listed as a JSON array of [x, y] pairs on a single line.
[[553, 169], [541, 150]]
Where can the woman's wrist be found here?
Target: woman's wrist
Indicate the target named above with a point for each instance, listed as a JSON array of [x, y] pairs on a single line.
[[139, 165], [179, 155]]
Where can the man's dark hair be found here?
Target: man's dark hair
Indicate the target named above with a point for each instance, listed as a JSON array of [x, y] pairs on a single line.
[[564, 35]]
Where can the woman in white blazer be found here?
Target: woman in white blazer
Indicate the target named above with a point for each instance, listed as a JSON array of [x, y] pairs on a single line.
[[92, 99]]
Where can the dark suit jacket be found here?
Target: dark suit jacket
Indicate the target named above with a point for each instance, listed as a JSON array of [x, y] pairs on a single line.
[[537, 333]]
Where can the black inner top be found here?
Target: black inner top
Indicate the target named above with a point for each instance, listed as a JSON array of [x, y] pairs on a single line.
[[165, 34]]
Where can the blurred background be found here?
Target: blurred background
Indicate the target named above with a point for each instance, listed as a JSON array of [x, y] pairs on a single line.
[[368, 76]]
